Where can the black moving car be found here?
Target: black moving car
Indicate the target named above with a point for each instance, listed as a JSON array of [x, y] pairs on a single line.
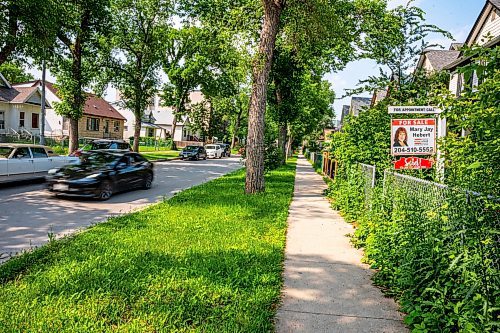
[[193, 152], [101, 173]]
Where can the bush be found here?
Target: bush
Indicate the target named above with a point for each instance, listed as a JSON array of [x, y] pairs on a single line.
[[273, 157]]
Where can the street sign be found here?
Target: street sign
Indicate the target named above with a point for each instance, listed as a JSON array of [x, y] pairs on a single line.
[[413, 163], [413, 136], [414, 109]]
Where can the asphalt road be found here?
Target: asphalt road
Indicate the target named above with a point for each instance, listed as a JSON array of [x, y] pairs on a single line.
[[28, 213]]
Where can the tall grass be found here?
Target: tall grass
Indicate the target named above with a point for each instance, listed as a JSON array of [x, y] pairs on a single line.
[[208, 260]]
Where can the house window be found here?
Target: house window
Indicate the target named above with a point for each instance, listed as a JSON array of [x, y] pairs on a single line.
[[2, 119], [92, 124], [117, 126], [459, 86], [106, 126], [21, 119], [35, 120]]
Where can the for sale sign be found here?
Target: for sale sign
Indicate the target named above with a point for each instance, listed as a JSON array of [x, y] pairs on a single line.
[[413, 137], [412, 163]]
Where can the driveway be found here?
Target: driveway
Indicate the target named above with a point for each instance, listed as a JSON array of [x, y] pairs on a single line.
[[29, 213]]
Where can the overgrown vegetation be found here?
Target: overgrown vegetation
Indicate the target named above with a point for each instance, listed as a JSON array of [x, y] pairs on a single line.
[[434, 247], [207, 260]]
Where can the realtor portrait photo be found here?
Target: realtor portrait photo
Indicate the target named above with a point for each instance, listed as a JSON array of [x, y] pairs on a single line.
[[400, 138]]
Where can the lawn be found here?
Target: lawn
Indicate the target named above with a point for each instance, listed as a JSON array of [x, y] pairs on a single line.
[[207, 260], [156, 155]]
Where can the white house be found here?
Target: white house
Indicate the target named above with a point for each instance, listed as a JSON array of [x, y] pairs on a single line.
[[19, 109], [157, 121], [485, 33]]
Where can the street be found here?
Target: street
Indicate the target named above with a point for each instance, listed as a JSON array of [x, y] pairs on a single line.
[[29, 213]]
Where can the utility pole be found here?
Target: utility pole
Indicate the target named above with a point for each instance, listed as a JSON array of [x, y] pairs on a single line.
[[42, 113]]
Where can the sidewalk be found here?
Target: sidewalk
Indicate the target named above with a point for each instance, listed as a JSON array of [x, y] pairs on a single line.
[[327, 288]]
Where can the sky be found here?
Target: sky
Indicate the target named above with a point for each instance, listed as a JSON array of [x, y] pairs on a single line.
[[454, 16]]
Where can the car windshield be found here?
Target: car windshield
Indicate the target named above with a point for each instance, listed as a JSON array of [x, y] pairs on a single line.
[[190, 148], [98, 159], [5, 152], [211, 147], [100, 145]]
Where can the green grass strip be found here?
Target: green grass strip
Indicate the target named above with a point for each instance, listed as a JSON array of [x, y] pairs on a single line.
[[209, 259], [156, 155]]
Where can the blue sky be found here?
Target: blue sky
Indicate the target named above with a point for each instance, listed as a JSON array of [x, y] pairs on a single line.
[[455, 16]]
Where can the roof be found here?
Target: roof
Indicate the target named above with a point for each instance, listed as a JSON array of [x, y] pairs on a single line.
[[480, 20], [24, 94], [440, 58], [17, 95], [465, 60], [97, 106], [359, 102], [94, 105]]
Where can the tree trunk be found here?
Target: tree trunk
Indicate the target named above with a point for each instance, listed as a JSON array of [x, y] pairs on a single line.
[[261, 68], [174, 125], [289, 146], [282, 141], [236, 128], [73, 135], [137, 133]]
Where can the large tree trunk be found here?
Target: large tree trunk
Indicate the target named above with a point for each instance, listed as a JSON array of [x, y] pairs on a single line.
[[137, 132], [261, 67], [73, 135]]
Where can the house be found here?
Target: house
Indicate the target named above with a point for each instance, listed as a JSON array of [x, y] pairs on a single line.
[[486, 33], [359, 104], [344, 114], [100, 119], [157, 121], [432, 61], [19, 109]]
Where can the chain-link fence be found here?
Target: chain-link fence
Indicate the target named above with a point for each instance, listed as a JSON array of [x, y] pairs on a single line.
[[455, 231]]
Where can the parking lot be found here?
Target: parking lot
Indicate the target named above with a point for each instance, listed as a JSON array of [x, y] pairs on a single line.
[[28, 213]]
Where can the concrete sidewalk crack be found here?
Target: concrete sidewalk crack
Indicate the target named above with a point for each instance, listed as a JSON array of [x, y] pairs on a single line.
[[339, 315]]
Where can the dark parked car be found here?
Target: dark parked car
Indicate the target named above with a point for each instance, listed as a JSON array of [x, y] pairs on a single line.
[[227, 149], [101, 144], [101, 173], [193, 152]]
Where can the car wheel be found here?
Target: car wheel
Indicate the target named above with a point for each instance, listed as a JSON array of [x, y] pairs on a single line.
[[106, 190], [148, 181]]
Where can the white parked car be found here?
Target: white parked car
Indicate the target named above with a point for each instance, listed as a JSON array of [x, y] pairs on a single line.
[[27, 159], [214, 151]]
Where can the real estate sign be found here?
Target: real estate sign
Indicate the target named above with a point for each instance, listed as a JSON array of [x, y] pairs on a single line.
[[414, 109], [413, 137]]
